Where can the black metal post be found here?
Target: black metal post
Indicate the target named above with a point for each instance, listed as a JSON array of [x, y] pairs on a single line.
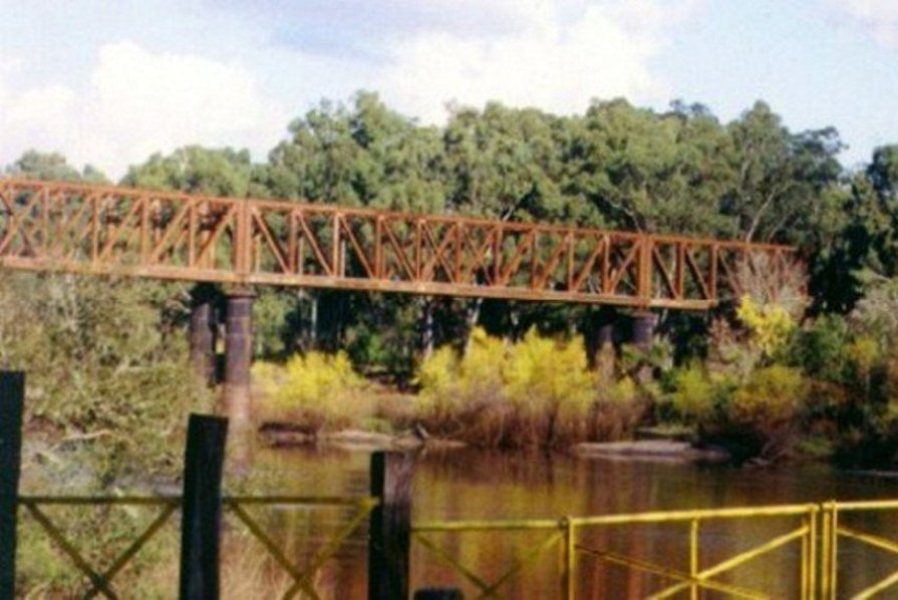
[[389, 538], [201, 512], [12, 404]]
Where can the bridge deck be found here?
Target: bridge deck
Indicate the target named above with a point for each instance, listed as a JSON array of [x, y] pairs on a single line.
[[50, 226]]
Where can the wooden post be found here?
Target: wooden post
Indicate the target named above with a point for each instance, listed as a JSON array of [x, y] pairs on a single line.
[[12, 403], [389, 537], [201, 511]]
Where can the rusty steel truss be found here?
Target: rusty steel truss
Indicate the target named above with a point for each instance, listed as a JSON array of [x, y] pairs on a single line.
[[51, 226]]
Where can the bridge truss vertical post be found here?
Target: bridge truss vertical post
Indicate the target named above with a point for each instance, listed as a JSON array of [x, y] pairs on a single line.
[[238, 357], [202, 332]]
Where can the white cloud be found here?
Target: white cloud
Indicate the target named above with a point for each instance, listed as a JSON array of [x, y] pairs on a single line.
[[878, 17], [137, 103], [562, 55], [124, 101]]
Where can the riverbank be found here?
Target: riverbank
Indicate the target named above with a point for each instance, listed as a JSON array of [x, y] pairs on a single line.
[[285, 436]]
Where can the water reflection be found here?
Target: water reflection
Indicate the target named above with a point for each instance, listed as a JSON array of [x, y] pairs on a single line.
[[470, 484]]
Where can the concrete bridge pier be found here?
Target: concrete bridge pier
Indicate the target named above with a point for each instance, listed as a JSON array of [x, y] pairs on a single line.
[[202, 332], [599, 334], [236, 400], [642, 331]]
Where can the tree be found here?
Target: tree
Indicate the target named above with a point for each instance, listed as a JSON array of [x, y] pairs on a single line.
[[52, 167], [648, 172], [780, 176], [197, 170]]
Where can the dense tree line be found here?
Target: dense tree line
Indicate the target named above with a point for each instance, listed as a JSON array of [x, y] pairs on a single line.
[[680, 171]]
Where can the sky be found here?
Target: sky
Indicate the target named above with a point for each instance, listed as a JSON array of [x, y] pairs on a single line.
[[111, 83]]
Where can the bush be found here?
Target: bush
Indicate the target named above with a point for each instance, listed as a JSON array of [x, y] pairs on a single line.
[[771, 325], [694, 396], [549, 384], [538, 392], [317, 391], [761, 417], [770, 397], [820, 349]]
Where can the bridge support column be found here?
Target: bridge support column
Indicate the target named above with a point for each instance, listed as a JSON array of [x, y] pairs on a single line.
[[238, 358], [643, 329], [599, 334], [202, 333]]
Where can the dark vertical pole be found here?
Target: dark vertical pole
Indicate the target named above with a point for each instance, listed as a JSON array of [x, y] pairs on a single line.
[[643, 329], [201, 512], [599, 333], [202, 333], [389, 537], [238, 358], [12, 403]]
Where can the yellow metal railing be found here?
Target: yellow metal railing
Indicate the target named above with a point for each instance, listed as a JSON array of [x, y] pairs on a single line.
[[563, 535], [815, 530], [100, 579], [834, 529]]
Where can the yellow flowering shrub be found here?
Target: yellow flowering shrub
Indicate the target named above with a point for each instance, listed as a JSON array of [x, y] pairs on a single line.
[[482, 366], [315, 390], [544, 371], [770, 324], [771, 395], [538, 391]]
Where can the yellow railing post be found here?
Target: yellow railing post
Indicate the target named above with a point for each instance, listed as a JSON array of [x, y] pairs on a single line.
[[693, 557], [834, 550], [812, 552], [568, 558], [828, 551], [804, 560]]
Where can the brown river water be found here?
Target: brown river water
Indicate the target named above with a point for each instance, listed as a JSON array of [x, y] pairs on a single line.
[[470, 484]]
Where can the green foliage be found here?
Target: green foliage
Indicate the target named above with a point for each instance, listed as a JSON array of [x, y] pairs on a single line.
[[820, 349], [109, 385], [695, 395], [316, 391], [197, 170], [769, 398], [52, 167]]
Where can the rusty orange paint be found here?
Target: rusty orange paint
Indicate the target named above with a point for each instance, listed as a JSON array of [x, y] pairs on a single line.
[[77, 228]]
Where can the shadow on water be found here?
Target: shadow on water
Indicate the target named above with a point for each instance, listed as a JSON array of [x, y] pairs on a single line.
[[472, 484]]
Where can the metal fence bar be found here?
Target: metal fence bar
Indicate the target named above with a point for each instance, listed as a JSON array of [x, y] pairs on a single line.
[[818, 536]]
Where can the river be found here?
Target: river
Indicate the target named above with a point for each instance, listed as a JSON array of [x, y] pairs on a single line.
[[470, 484]]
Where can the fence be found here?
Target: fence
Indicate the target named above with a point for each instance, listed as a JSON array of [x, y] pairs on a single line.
[[201, 503], [563, 535], [814, 533]]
